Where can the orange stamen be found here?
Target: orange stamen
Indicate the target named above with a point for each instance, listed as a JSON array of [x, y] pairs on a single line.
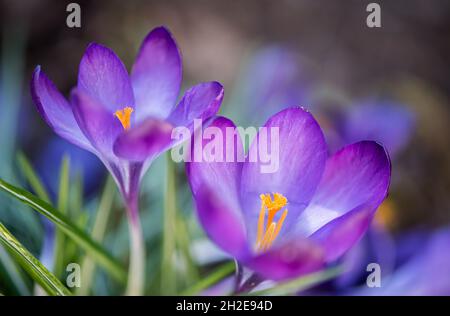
[[266, 234], [124, 116], [279, 225], [267, 237], [261, 218]]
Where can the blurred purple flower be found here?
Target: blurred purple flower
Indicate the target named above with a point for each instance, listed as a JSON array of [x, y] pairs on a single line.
[[376, 246], [331, 199], [272, 77], [425, 272], [127, 121], [389, 123]]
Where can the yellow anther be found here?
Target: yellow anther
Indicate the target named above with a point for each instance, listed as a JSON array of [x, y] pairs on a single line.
[[124, 116], [267, 233]]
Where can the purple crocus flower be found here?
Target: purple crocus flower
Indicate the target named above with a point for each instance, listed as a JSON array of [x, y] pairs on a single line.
[[425, 272], [126, 120], [387, 122], [306, 214], [271, 76]]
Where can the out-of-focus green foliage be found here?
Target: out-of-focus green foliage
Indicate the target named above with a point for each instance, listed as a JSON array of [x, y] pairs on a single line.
[[32, 265], [70, 229]]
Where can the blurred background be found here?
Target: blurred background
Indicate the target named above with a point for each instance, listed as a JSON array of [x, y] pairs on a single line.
[[390, 84]]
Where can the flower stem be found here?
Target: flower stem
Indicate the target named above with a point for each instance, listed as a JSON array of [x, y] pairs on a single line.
[[136, 270]]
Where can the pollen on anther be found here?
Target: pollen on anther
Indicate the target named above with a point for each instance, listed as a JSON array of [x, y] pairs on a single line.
[[268, 232], [124, 116]]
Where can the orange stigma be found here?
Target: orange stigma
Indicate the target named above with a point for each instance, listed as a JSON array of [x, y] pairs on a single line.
[[267, 233], [124, 116]]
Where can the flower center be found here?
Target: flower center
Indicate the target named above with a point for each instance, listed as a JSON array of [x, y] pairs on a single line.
[[267, 233], [124, 116]]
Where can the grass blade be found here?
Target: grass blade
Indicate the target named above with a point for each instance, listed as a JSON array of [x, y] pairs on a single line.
[[183, 242], [168, 273], [32, 178], [13, 272], [71, 230], [98, 232], [63, 197], [33, 266], [221, 272], [300, 284]]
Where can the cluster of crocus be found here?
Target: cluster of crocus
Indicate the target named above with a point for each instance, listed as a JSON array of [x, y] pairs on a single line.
[[127, 120], [280, 225], [303, 216]]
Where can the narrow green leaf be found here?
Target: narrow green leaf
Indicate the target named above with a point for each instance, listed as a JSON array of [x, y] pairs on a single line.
[[168, 274], [13, 272], [37, 186], [183, 242], [98, 232], [76, 214], [32, 178], [63, 197], [33, 266], [216, 276], [71, 230], [301, 283], [76, 197]]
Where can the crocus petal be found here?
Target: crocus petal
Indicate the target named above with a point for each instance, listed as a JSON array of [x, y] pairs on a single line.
[[103, 76], [99, 125], [221, 222], [293, 259], [156, 75], [356, 175], [199, 102], [55, 110], [342, 233], [145, 141], [301, 161], [222, 176]]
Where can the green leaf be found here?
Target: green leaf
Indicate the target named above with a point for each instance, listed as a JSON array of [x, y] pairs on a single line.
[[219, 274], [76, 197], [33, 266], [77, 215], [32, 178], [168, 274], [13, 272], [71, 230], [98, 232], [183, 242], [301, 283], [63, 198]]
